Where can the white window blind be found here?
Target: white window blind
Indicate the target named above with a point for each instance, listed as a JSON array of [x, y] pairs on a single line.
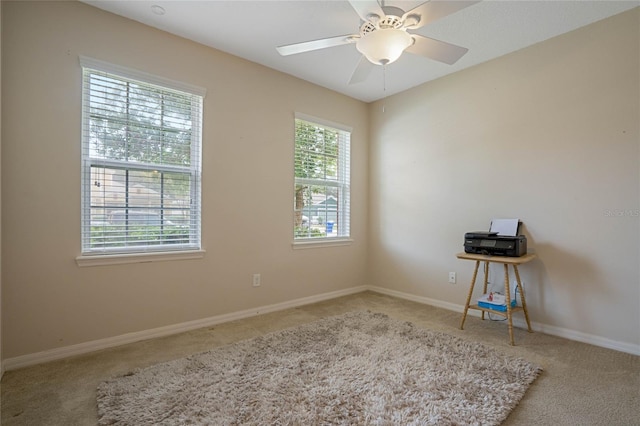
[[322, 180], [141, 165]]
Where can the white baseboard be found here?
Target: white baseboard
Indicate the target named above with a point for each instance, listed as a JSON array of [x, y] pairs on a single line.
[[518, 322], [95, 345], [421, 299]]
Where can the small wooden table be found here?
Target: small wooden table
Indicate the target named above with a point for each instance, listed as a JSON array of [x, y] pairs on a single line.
[[506, 261]]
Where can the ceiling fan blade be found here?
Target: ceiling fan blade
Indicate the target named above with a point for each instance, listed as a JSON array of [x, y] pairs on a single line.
[[432, 10], [367, 9], [436, 49], [307, 46], [362, 71]]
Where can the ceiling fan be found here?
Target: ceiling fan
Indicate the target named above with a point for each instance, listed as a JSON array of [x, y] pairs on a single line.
[[383, 35]]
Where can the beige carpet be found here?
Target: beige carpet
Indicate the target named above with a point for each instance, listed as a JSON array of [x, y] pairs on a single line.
[[356, 368]]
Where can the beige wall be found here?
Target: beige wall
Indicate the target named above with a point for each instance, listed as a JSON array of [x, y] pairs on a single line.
[[49, 302], [549, 135]]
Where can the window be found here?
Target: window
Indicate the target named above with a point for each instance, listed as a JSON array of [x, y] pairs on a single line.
[[321, 195], [141, 166]]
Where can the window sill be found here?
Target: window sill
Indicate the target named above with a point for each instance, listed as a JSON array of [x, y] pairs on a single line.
[[118, 259], [325, 242]]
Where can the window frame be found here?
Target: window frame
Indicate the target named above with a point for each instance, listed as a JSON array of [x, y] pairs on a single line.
[[140, 253], [342, 184]]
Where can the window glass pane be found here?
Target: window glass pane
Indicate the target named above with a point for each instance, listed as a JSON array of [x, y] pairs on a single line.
[[316, 211], [139, 207], [316, 152], [134, 123]]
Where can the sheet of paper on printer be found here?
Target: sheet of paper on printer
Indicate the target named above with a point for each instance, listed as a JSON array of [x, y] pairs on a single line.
[[507, 227]]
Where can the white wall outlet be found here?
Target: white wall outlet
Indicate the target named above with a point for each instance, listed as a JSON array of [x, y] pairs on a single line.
[[452, 277], [256, 280]]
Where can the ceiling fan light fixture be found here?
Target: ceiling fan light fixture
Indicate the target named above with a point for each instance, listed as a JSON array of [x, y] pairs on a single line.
[[385, 45]]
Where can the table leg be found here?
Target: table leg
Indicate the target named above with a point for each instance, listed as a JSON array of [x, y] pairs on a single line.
[[508, 296], [524, 302], [473, 283], [486, 280]]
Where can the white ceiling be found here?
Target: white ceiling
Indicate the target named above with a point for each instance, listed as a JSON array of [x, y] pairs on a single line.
[[253, 29]]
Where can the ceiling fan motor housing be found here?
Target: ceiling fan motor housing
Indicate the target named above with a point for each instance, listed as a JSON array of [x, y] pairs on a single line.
[[392, 19]]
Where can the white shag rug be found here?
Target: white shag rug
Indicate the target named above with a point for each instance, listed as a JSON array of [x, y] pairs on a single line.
[[359, 368]]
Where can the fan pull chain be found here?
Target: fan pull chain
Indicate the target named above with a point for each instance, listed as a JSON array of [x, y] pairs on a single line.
[[384, 83], [384, 79]]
